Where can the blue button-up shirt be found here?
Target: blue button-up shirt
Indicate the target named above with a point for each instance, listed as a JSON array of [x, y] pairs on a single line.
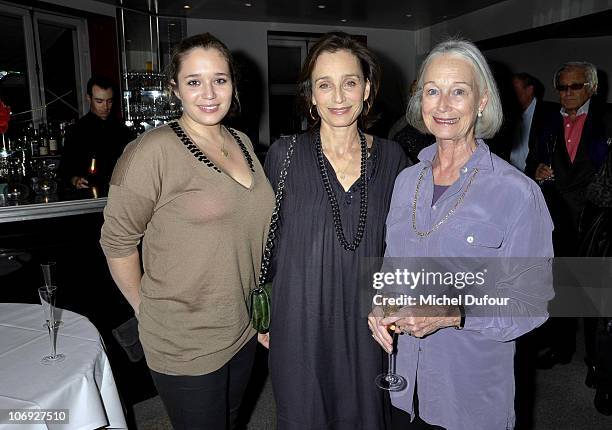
[[520, 150], [465, 378]]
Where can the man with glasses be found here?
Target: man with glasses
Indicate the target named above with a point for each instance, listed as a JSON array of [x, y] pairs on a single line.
[[568, 155]]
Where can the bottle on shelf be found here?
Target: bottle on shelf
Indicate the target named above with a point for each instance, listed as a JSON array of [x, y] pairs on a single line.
[[63, 127], [53, 138], [34, 140], [43, 144]]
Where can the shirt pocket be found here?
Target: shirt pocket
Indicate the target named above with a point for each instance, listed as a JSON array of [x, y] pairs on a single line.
[[397, 232], [475, 238], [398, 214]]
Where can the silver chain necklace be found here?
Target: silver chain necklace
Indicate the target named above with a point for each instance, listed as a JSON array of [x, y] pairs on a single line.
[[447, 216]]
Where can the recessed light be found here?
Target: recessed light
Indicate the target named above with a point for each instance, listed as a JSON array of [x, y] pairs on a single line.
[[171, 24], [248, 4], [321, 6], [444, 16], [186, 7], [343, 20], [408, 15]]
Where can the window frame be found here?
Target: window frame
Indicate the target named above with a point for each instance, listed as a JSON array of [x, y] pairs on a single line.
[[80, 41], [30, 17]]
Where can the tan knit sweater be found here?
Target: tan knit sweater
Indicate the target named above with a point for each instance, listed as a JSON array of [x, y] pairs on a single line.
[[202, 239]]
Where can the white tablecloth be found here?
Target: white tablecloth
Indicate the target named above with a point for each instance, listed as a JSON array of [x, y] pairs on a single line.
[[83, 383]]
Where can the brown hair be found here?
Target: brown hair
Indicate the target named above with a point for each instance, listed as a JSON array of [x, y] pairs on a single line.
[[204, 41], [334, 42]]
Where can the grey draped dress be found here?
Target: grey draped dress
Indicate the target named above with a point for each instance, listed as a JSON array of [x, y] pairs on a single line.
[[323, 359]]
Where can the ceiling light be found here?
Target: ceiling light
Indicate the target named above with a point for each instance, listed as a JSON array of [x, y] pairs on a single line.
[[248, 4], [343, 20], [186, 7], [321, 6], [408, 15]]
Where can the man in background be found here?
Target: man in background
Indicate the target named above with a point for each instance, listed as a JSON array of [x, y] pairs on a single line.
[[570, 150], [96, 141], [535, 114], [565, 163]]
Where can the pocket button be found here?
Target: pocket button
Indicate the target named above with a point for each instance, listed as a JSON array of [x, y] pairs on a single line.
[[470, 239]]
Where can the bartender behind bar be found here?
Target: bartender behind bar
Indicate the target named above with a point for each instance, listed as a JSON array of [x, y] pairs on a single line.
[[96, 141]]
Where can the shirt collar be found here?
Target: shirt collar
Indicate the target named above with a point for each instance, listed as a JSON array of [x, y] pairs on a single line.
[[481, 158], [529, 111], [584, 109]]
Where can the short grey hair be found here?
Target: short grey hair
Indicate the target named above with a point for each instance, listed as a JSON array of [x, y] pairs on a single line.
[[590, 71], [492, 115]]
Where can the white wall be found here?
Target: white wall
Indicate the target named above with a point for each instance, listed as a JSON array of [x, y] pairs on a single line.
[[507, 17], [543, 57], [394, 47]]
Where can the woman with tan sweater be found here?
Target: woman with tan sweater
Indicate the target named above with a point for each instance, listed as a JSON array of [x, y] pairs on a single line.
[[195, 194]]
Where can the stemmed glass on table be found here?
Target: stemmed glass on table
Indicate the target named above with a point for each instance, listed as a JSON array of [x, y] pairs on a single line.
[[49, 271], [391, 381], [48, 296]]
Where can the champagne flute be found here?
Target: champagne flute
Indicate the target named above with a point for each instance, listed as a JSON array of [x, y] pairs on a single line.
[[47, 296], [49, 271], [391, 381]]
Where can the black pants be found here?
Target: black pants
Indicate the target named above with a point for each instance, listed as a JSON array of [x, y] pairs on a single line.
[[400, 420], [562, 332], [603, 353], [211, 401]]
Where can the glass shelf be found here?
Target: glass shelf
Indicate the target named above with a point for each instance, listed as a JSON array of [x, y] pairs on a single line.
[[147, 99]]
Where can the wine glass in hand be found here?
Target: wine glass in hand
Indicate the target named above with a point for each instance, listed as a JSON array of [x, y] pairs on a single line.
[[551, 145], [391, 381]]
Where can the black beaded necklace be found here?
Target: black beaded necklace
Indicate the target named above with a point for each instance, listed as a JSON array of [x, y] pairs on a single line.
[[197, 152], [363, 193]]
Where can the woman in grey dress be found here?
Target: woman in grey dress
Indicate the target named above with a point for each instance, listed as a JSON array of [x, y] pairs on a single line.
[[323, 361]]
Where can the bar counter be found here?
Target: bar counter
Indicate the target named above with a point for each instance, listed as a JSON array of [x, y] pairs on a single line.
[[76, 202]]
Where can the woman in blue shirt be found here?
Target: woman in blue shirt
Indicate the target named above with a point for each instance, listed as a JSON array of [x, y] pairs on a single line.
[[461, 200]]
